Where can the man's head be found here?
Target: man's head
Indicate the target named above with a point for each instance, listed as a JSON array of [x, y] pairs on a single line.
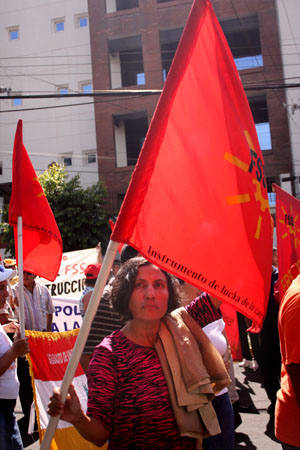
[[116, 266], [91, 274], [28, 278]]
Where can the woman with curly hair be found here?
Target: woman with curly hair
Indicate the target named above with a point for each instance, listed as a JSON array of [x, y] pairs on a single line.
[[132, 378]]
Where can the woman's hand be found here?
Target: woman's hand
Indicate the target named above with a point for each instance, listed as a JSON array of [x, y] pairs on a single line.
[[70, 411], [20, 346]]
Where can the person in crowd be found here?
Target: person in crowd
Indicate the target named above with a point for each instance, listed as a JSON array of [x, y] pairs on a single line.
[[275, 257], [131, 394], [248, 356], [91, 274], [214, 327], [266, 350], [6, 312], [106, 320], [115, 267], [287, 411], [10, 438], [38, 309]]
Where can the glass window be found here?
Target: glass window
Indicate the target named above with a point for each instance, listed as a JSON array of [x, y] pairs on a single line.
[[86, 88], [62, 90], [260, 115], [17, 101], [82, 22], [140, 78], [91, 158], [67, 160], [14, 34], [59, 25], [168, 44], [264, 135], [243, 38], [119, 5], [127, 65]]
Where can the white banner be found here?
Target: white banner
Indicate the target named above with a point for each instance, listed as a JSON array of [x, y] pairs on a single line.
[[67, 316], [67, 288], [69, 282]]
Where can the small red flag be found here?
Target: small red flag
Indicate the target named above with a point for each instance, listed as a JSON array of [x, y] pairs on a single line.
[[42, 245], [197, 205], [288, 238]]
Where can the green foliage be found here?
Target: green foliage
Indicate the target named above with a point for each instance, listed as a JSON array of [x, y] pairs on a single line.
[[80, 213]]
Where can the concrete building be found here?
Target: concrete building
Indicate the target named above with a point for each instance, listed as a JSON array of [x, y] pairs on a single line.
[[45, 49], [132, 46], [288, 12]]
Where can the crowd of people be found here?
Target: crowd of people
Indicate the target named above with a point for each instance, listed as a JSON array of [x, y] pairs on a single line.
[[157, 360]]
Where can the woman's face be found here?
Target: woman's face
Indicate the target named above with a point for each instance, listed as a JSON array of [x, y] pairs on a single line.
[[150, 295]]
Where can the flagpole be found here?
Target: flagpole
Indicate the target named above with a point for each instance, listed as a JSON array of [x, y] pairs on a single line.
[[21, 280], [82, 336]]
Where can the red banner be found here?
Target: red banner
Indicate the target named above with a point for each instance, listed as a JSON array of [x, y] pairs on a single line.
[[48, 359], [232, 330], [42, 246], [197, 204], [288, 238]]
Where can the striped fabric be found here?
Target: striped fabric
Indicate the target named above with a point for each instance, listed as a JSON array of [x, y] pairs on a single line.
[[106, 321], [36, 306]]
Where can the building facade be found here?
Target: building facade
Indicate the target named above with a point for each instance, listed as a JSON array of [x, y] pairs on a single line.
[[132, 46], [288, 13], [45, 50]]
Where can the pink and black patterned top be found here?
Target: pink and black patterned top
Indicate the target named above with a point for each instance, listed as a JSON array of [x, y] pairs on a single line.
[[128, 394]]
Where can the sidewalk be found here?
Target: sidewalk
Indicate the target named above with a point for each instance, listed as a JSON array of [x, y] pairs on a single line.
[[253, 433]]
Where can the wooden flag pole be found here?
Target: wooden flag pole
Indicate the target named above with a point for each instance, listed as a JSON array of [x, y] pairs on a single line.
[[82, 336], [21, 278]]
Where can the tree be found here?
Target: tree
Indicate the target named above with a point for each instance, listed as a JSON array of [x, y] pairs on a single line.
[[80, 213]]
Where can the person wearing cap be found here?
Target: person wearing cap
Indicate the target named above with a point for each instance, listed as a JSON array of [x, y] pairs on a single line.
[[91, 274], [10, 437], [38, 309]]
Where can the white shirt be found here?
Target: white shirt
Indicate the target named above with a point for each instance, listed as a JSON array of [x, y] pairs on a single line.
[[9, 383]]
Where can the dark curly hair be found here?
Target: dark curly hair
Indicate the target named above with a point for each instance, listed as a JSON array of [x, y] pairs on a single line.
[[123, 285]]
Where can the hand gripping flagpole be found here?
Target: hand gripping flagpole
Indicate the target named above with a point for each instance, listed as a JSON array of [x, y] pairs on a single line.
[[82, 336]]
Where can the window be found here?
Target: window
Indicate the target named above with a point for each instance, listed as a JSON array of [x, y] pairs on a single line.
[[243, 38], [63, 90], [89, 157], [126, 62], [59, 24], [17, 101], [119, 5], [1, 168], [67, 160], [168, 44], [86, 87], [13, 33], [130, 132], [82, 21], [259, 111], [163, 1], [271, 194]]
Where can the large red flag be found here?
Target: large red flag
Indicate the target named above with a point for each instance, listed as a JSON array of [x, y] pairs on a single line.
[[288, 238], [42, 246], [197, 204]]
